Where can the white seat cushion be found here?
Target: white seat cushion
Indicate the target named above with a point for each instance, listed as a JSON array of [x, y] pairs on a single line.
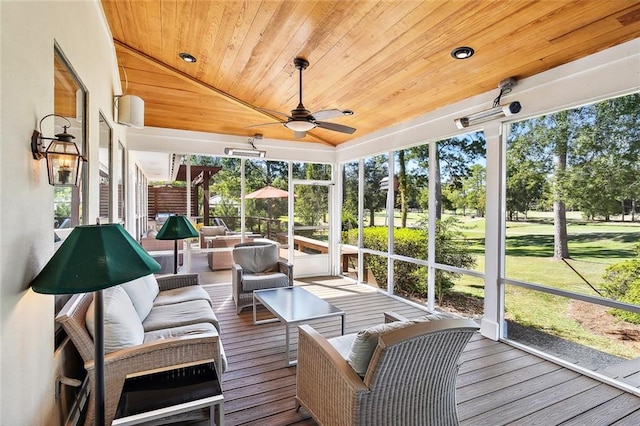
[[343, 344], [122, 326]]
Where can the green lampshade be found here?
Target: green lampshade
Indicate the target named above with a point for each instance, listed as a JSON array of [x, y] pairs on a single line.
[[94, 257], [176, 228]]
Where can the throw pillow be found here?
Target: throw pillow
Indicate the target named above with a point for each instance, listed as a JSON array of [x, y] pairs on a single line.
[[432, 317], [141, 296], [365, 343], [122, 326]]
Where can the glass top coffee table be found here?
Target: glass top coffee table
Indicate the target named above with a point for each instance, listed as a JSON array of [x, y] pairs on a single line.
[[293, 305]]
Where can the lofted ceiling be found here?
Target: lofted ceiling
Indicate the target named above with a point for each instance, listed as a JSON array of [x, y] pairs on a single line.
[[388, 61]]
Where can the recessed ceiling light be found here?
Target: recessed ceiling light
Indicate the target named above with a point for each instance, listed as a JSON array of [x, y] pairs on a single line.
[[463, 52], [187, 57]]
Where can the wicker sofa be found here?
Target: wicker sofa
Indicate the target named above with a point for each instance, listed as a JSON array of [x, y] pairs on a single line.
[[148, 323], [407, 373]]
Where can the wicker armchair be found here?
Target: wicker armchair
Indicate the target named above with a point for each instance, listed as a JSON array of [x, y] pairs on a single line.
[[146, 356], [257, 265], [410, 379]]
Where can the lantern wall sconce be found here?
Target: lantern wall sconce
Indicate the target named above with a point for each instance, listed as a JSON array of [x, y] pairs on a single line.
[[64, 161]]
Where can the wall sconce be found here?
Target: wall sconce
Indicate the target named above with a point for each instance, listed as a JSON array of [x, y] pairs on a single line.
[[64, 162], [253, 152]]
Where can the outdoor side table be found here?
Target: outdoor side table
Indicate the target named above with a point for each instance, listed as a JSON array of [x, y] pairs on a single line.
[[164, 393]]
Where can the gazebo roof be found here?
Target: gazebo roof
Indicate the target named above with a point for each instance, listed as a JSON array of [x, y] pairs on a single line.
[[196, 171]]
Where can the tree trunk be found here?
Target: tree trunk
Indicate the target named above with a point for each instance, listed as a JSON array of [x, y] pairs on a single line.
[[560, 245]]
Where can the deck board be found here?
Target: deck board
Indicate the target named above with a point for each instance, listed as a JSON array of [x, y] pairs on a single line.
[[497, 383]]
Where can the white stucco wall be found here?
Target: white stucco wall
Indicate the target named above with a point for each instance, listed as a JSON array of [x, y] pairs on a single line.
[[28, 365]]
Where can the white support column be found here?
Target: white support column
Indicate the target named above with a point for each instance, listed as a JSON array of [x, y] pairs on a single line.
[[361, 271], [493, 293], [431, 249], [390, 221], [335, 215], [243, 229], [187, 261]]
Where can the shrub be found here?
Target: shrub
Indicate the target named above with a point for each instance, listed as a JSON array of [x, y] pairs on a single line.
[[622, 283], [410, 278]]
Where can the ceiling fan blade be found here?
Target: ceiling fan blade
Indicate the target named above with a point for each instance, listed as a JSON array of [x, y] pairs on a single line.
[[327, 113], [274, 112], [264, 124], [298, 135], [335, 127]]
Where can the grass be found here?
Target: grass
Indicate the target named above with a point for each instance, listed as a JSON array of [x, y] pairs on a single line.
[[593, 247]]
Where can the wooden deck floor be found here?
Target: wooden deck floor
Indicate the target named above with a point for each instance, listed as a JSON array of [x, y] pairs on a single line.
[[497, 384]]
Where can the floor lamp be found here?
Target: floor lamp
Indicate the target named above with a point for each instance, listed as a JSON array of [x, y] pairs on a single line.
[[93, 258], [176, 228]]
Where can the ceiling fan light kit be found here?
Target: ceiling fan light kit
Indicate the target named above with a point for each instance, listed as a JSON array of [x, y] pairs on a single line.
[[299, 126], [302, 120]]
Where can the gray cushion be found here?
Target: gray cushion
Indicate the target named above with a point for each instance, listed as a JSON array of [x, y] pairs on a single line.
[[253, 259], [184, 330], [262, 281], [365, 343], [433, 317], [178, 314], [181, 294], [122, 327]]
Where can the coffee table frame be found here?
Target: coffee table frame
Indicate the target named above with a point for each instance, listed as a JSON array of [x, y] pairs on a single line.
[[281, 305], [216, 417]]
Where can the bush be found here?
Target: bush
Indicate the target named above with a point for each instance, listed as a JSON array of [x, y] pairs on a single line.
[[622, 283], [410, 278]]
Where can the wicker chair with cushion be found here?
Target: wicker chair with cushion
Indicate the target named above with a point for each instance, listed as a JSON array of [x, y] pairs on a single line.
[[257, 266], [407, 369]]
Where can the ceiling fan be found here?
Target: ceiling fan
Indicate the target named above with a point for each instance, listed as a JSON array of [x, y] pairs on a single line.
[[302, 120]]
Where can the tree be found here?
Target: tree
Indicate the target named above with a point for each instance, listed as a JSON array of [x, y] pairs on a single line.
[[474, 189], [526, 176], [375, 168], [455, 158]]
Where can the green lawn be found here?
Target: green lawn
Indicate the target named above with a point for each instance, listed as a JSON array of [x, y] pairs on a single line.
[[529, 257]]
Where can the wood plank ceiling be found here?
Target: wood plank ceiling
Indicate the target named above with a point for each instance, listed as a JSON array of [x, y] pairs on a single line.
[[388, 61]]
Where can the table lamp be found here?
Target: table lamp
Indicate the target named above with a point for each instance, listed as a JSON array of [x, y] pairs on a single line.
[[92, 258], [176, 228]]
